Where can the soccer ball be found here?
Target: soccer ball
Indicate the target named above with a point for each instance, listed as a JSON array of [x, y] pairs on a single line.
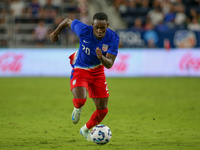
[[101, 134]]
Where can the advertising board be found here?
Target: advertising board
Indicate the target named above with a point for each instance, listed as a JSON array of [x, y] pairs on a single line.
[[129, 63]]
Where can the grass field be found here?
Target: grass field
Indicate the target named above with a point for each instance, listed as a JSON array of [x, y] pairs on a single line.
[[144, 114]]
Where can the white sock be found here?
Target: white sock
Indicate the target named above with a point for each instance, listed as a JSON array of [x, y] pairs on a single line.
[[85, 128], [78, 108]]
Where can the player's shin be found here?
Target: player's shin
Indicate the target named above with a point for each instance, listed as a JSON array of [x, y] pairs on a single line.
[[96, 117]]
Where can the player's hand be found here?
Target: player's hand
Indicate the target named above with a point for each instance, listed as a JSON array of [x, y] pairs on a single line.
[[98, 52], [54, 37]]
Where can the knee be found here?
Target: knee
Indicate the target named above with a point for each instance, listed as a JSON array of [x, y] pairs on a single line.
[[101, 107], [101, 103]]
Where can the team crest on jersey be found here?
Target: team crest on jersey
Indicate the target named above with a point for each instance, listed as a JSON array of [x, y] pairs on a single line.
[[104, 47]]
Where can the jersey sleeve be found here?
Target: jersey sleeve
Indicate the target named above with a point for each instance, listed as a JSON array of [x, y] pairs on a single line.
[[113, 49], [78, 27]]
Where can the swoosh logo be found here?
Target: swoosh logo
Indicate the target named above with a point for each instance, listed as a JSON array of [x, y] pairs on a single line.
[[73, 117], [85, 41]]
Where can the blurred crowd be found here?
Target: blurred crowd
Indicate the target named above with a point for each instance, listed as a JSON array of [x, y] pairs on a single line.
[[42, 13], [18, 16], [162, 15], [46, 9]]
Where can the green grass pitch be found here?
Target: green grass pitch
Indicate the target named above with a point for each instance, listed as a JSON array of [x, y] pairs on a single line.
[[144, 114]]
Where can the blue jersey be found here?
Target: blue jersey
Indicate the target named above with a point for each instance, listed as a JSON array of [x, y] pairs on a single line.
[[86, 57]]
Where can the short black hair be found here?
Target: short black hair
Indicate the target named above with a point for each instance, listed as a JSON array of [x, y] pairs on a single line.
[[100, 16]]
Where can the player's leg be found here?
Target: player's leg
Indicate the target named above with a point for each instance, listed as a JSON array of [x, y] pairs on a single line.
[[98, 91], [80, 96], [100, 112], [101, 103], [78, 84], [97, 116]]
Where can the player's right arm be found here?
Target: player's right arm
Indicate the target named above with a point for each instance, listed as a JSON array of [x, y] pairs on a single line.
[[65, 23]]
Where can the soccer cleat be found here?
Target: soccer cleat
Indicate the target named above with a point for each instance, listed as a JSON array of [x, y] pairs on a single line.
[[76, 115], [86, 133]]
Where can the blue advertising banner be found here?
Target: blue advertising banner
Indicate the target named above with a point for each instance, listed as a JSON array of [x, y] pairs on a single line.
[[159, 39]]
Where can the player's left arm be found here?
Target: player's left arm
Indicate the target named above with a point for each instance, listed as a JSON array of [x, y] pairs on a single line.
[[107, 61]]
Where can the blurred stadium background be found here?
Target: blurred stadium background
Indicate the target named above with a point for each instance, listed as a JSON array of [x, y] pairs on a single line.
[[157, 37]]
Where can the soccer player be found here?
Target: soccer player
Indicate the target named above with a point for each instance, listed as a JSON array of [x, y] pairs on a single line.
[[98, 49]]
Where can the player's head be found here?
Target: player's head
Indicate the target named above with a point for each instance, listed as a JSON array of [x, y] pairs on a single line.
[[100, 24]]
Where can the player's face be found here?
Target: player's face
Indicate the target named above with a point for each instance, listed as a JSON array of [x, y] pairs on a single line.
[[99, 28]]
